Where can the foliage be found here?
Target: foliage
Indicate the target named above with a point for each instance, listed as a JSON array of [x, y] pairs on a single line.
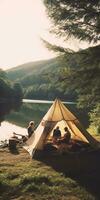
[[8, 90], [85, 78], [5, 86], [18, 94], [95, 117], [80, 19]]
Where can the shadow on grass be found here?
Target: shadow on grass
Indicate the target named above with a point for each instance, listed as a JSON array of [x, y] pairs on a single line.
[[82, 167], [90, 181]]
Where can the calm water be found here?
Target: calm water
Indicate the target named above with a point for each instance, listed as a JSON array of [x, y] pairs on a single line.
[[15, 118], [44, 101], [6, 130]]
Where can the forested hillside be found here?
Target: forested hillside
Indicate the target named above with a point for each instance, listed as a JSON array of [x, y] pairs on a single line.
[[40, 80], [27, 69]]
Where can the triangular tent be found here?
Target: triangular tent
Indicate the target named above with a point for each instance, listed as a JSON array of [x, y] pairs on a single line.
[[57, 115]]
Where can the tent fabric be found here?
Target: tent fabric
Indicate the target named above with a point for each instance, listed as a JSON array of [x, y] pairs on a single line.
[[57, 115]]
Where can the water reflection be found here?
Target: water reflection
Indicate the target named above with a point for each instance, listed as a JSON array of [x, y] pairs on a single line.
[[15, 118], [6, 108], [44, 101], [6, 130], [27, 112]]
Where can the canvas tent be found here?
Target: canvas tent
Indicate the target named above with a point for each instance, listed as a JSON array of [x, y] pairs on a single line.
[[58, 114]]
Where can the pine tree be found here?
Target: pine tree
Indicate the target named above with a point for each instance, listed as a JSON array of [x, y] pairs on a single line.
[[80, 19], [75, 18]]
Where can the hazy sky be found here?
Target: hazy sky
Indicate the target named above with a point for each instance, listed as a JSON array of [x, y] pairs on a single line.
[[22, 23]]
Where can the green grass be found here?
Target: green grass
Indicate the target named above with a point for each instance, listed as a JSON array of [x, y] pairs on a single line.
[[22, 178]]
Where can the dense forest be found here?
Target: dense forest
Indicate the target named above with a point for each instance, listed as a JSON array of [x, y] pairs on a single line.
[[9, 91]]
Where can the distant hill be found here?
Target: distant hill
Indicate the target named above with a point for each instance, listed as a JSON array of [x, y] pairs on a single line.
[[27, 69], [40, 80]]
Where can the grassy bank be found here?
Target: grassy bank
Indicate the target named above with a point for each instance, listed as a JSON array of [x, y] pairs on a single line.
[[22, 178]]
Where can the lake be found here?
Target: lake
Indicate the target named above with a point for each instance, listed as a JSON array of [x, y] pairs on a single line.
[[15, 118]]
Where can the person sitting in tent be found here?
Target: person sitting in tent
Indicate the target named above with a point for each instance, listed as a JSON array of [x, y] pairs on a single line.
[[64, 143], [56, 134], [30, 129], [67, 136]]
